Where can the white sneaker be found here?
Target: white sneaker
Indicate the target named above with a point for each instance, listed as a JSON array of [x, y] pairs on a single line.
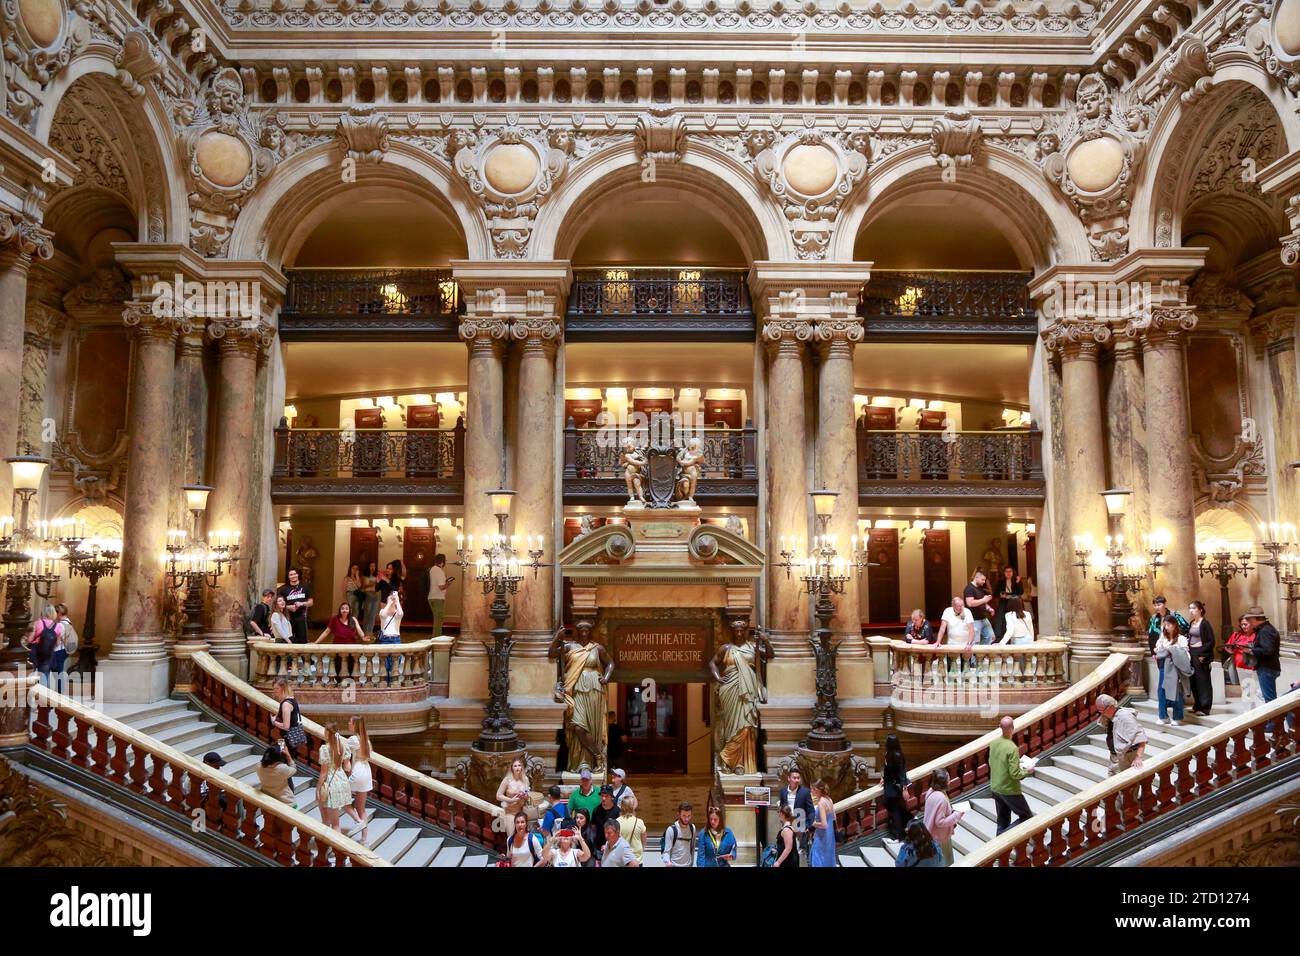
[[1165, 721], [1175, 723]]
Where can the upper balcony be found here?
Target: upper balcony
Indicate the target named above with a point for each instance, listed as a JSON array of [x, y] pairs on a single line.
[[987, 307], [357, 304], [334, 465], [621, 302], [975, 467], [593, 474]]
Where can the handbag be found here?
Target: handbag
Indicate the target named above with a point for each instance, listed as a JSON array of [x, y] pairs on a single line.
[[296, 735]]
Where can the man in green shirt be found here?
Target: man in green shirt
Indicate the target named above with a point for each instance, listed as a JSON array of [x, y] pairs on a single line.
[[586, 796], [1005, 774]]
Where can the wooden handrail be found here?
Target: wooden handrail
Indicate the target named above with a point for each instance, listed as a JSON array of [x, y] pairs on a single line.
[[1140, 794], [409, 790], [58, 738], [1046, 725]]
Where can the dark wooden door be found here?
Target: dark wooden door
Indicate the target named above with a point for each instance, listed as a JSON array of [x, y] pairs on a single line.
[[656, 729], [418, 548], [583, 411], [368, 449], [363, 548], [936, 554], [882, 577], [720, 412]]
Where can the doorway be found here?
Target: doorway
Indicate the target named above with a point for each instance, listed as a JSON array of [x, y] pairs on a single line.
[[656, 728]]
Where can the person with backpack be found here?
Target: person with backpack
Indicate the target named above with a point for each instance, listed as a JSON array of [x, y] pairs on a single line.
[[71, 642], [556, 811], [524, 848], [618, 780], [44, 643], [679, 839], [717, 844]]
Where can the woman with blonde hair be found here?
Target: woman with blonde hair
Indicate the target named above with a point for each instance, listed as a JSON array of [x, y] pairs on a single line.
[[333, 792], [632, 827], [514, 794], [823, 842], [360, 778]]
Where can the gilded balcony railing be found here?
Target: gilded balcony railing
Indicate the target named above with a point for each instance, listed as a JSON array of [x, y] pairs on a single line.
[[948, 301], [341, 292], [1011, 455], [369, 453], [595, 452], [647, 291]]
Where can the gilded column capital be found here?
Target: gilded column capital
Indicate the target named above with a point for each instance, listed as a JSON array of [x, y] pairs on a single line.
[[1076, 338], [242, 337], [1163, 326], [141, 318]]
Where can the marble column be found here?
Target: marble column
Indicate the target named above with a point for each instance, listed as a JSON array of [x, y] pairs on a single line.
[[1173, 491], [1082, 458], [189, 437], [837, 456], [484, 456], [535, 418], [44, 330], [787, 480], [137, 669], [21, 240], [235, 483]]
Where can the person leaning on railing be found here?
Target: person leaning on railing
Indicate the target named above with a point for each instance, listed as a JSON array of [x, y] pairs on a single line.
[[1125, 739]]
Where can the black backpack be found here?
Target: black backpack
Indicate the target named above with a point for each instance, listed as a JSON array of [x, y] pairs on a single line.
[[43, 649]]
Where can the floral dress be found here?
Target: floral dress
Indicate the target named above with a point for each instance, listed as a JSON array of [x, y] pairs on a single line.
[[338, 792]]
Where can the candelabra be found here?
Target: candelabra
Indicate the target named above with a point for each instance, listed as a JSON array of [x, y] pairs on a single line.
[[31, 558], [500, 572], [1284, 558], [93, 560], [1155, 545], [824, 573], [1116, 571], [1223, 561], [193, 563]]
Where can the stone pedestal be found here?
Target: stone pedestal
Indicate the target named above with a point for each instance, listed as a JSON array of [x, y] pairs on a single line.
[[1137, 655], [482, 771], [742, 820], [186, 678], [15, 708]]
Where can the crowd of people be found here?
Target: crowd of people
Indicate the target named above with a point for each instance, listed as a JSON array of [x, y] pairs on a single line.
[[981, 614]]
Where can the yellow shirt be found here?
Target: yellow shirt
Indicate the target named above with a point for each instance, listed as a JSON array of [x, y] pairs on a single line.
[[632, 830]]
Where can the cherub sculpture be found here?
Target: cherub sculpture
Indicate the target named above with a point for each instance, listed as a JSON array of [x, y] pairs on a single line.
[[633, 462], [689, 460]]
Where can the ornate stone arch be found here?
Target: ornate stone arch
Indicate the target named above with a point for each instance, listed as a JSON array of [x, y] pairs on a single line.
[[706, 176], [308, 186], [1182, 131], [1042, 228], [136, 130]]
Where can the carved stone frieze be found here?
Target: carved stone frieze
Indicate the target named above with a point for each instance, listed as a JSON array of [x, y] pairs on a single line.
[[363, 134], [955, 138], [35, 831], [139, 62], [1187, 70], [40, 36], [660, 136], [1091, 152]]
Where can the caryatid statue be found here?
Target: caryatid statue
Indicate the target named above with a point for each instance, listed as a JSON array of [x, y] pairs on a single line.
[[633, 462], [584, 668], [737, 667]]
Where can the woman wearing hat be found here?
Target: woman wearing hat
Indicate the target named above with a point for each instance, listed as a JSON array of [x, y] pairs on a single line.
[[1267, 647]]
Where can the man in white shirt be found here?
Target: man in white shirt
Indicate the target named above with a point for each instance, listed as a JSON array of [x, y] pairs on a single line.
[[958, 624], [438, 584]]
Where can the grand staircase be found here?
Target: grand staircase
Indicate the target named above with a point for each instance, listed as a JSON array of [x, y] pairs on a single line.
[[1060, 775], [396, 837]]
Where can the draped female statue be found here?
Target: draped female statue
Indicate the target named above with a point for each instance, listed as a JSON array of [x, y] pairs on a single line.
[[737, 668], [583, 670]]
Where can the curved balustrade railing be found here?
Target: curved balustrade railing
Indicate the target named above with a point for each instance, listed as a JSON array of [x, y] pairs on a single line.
[[1183, 774], [950, 456], [409, 790], [919, 669], [968, 766], [175, 780], [331, 667]]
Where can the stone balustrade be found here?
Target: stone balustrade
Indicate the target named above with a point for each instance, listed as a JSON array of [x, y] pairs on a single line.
[[1043, 727], [1180, 776]]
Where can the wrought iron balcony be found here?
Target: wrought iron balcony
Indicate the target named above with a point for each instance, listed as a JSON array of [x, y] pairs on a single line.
[[699, 303], [593, 474], [938, 464], [357, 303], [330, 464], [991, 306]]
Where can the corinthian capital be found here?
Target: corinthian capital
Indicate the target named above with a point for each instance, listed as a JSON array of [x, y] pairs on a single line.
[[787, 334], [250, 337], [1162, 326], [484, 328], [23, 236], [147, 323], [1076, 338], [536, 331], [838, 334]]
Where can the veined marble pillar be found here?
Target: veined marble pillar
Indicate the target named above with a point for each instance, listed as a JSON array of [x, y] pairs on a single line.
[[21, 240], [44, 329], [485, 335], [235, 483], [1083, 459], [1173, 493], [190, 435], [137, 669], [787, 480], [538, 339], [837, 454]]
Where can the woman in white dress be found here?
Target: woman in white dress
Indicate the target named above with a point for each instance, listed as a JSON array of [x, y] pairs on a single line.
[[281, 627], [360, 779], [333, 792], [1019, 623]]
